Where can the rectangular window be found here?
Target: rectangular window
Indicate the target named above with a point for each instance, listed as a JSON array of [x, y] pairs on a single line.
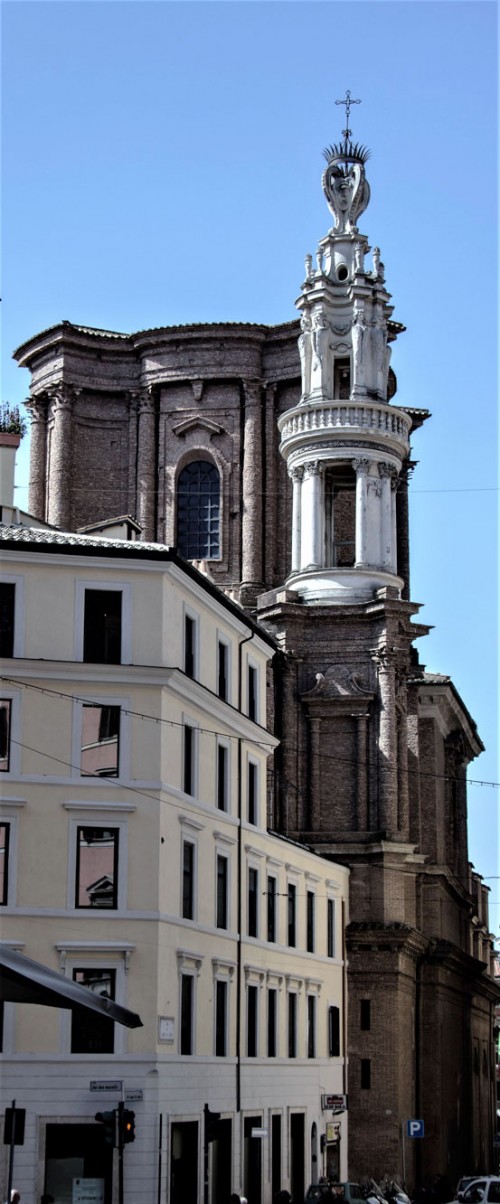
[[310, 921], [271, 908], [252, 692], [102, 626], [222, 882], [365, 1016], [252, 1017], [222, 776], [272, 1017], [330, 948], [292, 919], [188, 765], [100, 741], [7, 603], [189, 646], [334, 1032], [96, 867], [253, 894], [223, 670], [366, 1073], [187, 880], [253, 801], [311, 1026], [5, 711], [92, 1033], [4, 863], [187, 996], [220, 1019], [292, 1025]]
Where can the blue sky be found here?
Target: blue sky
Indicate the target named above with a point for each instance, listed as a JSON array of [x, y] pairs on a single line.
[[162, 164]]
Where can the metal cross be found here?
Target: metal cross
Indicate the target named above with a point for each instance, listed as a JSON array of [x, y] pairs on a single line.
[[347, 102]]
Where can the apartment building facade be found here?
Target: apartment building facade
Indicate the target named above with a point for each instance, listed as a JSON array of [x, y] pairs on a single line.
[[135, 858]]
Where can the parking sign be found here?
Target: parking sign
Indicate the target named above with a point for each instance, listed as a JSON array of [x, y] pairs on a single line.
[[414, 1128]]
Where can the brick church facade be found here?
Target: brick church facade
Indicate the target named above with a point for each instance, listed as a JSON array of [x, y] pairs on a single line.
[[279, 457]]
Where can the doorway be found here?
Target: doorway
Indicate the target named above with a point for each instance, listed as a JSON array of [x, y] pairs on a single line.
[[76, 1154], [184, 1163], [297, 1168], [222, 1163], [252, 1160]]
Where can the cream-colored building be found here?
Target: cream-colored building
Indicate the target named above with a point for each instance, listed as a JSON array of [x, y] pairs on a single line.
[[136, 858]]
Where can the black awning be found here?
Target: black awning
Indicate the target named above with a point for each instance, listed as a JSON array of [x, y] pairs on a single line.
[[25, 981]]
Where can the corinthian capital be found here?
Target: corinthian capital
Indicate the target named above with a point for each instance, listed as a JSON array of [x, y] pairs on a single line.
[[387, 470], [62, 397], [361, 466], [312, 468], [296, 474], [252, 392], [37, 407]]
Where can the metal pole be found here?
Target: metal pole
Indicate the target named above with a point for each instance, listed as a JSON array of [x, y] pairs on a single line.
[[120, 1152], [11, 1151], [205, 1154], [403, 1148]]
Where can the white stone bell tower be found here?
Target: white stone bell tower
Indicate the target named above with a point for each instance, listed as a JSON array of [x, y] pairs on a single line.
[[344, 444]]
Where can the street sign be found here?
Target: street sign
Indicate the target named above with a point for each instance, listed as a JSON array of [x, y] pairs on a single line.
[[134, 1096], [103, 1085], [259, 1132], [336, 1102], [414, 1128]]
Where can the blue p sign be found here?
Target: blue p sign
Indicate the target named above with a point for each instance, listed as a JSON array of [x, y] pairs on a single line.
[[414, 1128]]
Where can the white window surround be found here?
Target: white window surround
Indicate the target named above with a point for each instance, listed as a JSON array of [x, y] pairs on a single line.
[[251, 760], [223, 968], [187, 972], [222, 638], [12, 821], [121, 898], [223, 742], [187, 721], [122, 587], [253, 664], [103, 700], [15, 732], [116, 958], [189, 613], [8, 579], [189, 837], [226, 979], [222, 852]]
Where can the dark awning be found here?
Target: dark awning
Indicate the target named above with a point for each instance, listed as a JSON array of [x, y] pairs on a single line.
[[25, 981]]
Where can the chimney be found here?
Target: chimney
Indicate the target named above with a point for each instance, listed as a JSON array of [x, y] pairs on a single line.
[[9, 444]]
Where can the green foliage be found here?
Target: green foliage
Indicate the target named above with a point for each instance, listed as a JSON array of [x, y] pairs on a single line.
[[12, 422]]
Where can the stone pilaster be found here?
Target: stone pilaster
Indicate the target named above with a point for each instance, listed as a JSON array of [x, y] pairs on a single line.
[[251, 534], [403, 527], [132, 453], [361, 773], [38, 456], [296, 475], [315, 776], [59, 483], [387, 742], [310, 539], [403, 796], [272, 500], [146, 461]]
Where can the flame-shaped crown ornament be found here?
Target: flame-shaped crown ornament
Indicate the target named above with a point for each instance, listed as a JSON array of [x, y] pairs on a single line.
[[345, 185]]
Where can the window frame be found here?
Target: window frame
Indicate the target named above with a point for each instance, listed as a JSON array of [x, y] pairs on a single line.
[[7, 825], [221, 984], [198, 457], [13, 697], [253, 690], [97, 817], [114, 829], [223, 643], [89, 959], [222, 783], [330, 928], [253, 917], [253, 791], [187, 976], [272, 919], [252, 1032], [310, 921], [292, 1011], [18, 637], [334, 1032], [291, 917], [124, 737], [272, 1023], [365, 1069], [123, 587], [187, 841], [219, 858], [192, 726], [365, 1015], [191, 644], [312, 1010]]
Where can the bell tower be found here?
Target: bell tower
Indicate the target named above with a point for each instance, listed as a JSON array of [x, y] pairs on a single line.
[[345, 446]]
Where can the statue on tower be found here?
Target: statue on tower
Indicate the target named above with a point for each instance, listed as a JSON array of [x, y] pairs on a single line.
[[344, 182]]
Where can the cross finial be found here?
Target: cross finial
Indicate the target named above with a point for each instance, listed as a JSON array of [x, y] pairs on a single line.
[[347, 102]]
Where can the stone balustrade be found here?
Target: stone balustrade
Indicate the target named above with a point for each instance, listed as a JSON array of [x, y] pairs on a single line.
[[353, 417]]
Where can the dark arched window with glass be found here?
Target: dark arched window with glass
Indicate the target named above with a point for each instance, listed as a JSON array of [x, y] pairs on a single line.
[[198, 511]]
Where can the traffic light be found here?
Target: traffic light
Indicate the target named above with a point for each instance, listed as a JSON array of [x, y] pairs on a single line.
[[211, 1124], [108, 1119], [128, 1126]]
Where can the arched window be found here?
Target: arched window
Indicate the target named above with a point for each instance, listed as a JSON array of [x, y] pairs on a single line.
[[198, 511]]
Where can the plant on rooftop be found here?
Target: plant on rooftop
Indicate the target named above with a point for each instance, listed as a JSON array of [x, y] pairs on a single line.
[[12, 422]]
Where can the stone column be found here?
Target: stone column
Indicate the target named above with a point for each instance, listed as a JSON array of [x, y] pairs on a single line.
[[361, 468], [271, 490], [310, 531], [59, 482], [385, 472], [146, 462], [394, 529], [133, 399], [251, 535], [296, 475], [38, 457], [402, 528], [387, 743]]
